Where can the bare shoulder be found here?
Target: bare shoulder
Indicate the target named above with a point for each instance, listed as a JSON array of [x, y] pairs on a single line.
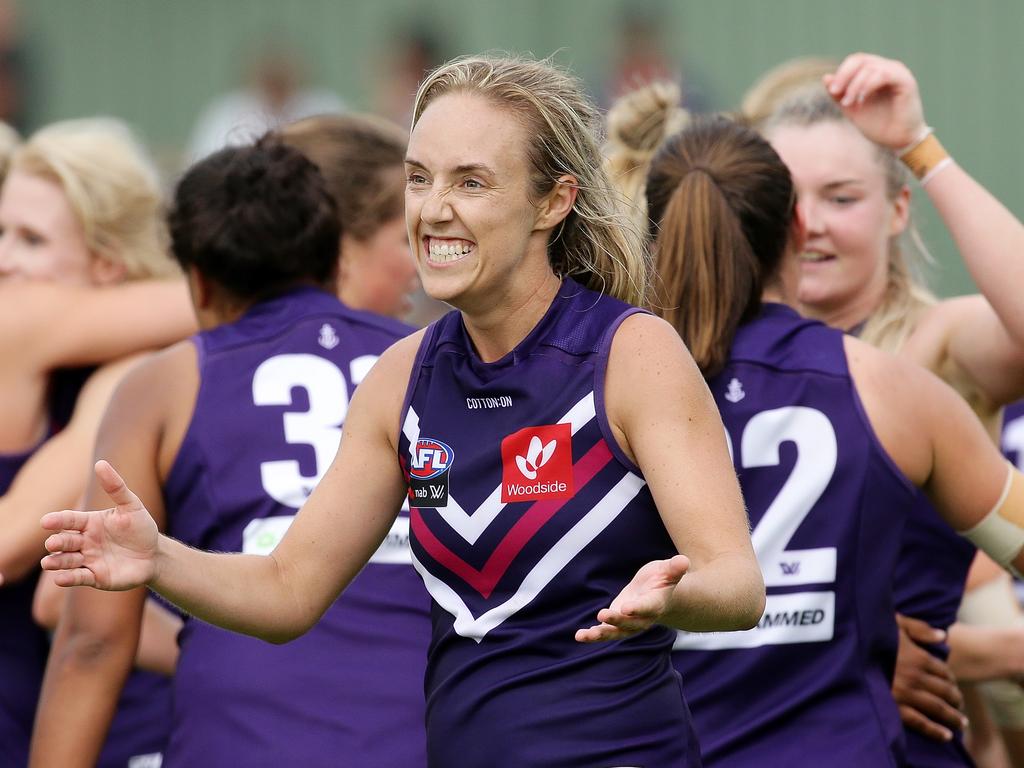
[[645, 344], [903, 401], [652, 381]]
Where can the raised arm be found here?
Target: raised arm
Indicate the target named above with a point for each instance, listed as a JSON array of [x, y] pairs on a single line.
[[939, 444], [59, 325], [665, 419], [880, 96], [279, 596], [55, 476]]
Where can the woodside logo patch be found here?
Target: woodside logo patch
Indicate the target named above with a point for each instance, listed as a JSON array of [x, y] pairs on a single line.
[[536, 463]]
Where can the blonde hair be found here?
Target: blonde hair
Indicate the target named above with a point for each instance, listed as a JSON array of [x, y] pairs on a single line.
[[596, 243], [112, 187], [781, 82], [638, 123], [906, 295]]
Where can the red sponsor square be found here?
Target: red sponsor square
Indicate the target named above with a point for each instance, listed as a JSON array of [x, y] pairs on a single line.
[[536, 463]]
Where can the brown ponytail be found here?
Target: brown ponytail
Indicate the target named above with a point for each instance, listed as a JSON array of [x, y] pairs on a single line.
[[721, 203]]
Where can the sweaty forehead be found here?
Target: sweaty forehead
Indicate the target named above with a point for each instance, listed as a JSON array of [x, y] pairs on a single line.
[[460, 130]]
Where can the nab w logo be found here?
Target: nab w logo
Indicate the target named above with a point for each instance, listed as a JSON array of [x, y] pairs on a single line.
[[536, 457], [430, 458], [429, 465], [536, 463], [790, 569]]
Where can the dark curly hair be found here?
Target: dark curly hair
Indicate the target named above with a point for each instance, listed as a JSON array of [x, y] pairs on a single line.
[[256, 220]]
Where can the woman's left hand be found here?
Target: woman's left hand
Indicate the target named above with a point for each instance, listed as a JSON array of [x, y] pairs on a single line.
[[640, 604], [880, 97]]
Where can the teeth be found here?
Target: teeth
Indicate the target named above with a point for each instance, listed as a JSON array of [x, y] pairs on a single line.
[[448, 251], [815, 257]]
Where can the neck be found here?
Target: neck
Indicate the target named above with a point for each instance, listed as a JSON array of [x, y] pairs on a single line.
[[846, 316], [497, 330]]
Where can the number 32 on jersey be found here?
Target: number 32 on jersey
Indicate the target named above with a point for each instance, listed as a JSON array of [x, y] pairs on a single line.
[[796, 617]]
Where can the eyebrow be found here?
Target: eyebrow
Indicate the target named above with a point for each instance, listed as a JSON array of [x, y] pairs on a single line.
[[842, 183], [464, 168]]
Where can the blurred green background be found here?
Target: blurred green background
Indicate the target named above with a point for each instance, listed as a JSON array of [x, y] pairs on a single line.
[[156, 63]]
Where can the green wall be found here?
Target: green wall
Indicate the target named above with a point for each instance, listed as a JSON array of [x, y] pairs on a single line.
[[157, 62]]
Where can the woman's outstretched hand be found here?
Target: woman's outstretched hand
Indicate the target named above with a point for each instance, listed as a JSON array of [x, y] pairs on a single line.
[[112, 549], [880, 96], [641, 603]]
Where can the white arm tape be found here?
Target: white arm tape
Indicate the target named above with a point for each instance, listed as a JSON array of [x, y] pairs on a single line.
[[999, 538]]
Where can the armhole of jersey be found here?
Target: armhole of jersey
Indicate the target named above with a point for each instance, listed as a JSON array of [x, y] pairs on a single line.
[[600, 373], [414, 376], [188, 445], [862, 414]]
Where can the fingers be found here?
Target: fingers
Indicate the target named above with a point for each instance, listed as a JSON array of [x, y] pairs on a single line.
[[914, 719], [67, 519], [114, 486], [65, 541], [934, 709], [920, 631], [602, 633], [844, 74], [62, 561], [79, 577]]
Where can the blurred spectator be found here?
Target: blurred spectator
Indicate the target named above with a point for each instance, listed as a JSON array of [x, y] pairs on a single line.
[[641, 58], [276, 93], [418, 51], [13, 105]]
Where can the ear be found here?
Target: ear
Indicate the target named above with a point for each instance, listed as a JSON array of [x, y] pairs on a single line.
[[105, 271], [901, 212], [558, 203]]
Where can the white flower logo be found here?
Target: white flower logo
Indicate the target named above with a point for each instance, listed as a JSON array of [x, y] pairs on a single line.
[[536, 457]]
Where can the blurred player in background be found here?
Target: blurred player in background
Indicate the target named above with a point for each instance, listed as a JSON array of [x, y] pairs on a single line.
[[80, 211]]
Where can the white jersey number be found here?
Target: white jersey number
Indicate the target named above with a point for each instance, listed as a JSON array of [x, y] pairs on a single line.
[[319, 427], [795, 617]]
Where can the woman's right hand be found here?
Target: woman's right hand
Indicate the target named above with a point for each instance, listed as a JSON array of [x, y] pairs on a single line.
[[111, 549], [880, 96]]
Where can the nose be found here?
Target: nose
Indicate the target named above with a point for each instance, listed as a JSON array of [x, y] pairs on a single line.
[[811, 215], [436, 208]]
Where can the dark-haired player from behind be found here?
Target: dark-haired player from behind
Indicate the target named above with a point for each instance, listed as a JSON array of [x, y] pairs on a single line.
[[226, 435]]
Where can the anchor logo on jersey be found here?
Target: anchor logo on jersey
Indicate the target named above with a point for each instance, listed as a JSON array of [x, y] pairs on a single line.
[[734, 392], [328, 337]]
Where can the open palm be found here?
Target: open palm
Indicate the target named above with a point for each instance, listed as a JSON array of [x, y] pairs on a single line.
[[112, 549], [640, 604]]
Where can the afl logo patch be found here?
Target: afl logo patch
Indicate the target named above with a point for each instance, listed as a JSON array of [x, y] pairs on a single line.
[[429, 465]]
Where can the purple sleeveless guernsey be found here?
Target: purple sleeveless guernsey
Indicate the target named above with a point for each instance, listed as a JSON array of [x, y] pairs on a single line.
[[526, 520], [1013, 434], [1013, 449], [23, 650], [274, 391], [929, 584], [809, 686], [24, 646]]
